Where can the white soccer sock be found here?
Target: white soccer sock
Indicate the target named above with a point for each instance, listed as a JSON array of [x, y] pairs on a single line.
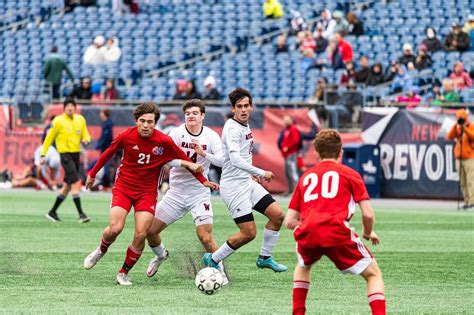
[[269, 241], [159, 250], [222, 252]]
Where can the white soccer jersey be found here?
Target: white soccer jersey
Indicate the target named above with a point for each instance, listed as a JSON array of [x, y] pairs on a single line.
[[180, 179], [237, 138]]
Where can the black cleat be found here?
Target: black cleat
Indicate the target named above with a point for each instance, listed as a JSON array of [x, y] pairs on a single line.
[[52, 216], [83, 218]]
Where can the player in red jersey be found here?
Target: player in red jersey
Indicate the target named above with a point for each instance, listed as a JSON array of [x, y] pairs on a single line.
[[319, 213], [146, 150]]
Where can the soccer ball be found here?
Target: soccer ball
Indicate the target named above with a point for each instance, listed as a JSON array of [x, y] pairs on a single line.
[[208, 280]]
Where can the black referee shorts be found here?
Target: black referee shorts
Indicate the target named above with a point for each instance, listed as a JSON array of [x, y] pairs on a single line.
[[70, 163]]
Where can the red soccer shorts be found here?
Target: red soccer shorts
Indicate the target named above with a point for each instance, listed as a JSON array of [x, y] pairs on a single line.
[[351, 258], [125, 198]]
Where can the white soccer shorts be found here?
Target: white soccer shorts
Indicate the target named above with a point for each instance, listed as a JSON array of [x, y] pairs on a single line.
[[175, 205], [241, 199]]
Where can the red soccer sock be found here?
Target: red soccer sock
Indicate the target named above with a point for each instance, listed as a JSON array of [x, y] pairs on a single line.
[[300, 291], [130, 260], [104, 245], [377, 303]]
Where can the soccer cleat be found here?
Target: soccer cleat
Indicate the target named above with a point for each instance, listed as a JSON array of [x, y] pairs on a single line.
[[123, 279], [155, 263], [270, 264], [83, 218], [208, 262], [225, 280], [52, 216], [93, 258]]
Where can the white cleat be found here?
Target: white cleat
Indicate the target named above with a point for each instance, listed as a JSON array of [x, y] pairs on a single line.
[[93, 258], [122, 279], [225, 280], [155, 264]]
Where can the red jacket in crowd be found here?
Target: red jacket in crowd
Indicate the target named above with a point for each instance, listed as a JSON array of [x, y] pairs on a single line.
[[289, 140], [345, 50]]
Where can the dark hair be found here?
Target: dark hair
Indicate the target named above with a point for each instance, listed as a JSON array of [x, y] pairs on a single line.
[[194, 103], [54, 49], [69, 100], [238, 94], [106, 112], [147, 108], [328, 144]]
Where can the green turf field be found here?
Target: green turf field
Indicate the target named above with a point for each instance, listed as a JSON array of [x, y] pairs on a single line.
[[426, 257]]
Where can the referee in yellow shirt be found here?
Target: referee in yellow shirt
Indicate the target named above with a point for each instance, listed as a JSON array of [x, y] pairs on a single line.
[[68, 130]]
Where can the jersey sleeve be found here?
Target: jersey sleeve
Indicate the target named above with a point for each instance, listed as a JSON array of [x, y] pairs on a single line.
[[295, 202], [216, 155], [233, 140], [174, 152], [115, 146], [85, 135], [50, 136], [358, 187]]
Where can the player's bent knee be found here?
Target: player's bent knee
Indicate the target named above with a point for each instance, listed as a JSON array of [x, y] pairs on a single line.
[[249, 235], [140, 236], [115, 230], [205, 238]]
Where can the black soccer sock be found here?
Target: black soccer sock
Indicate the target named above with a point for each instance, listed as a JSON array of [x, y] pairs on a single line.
[[263, 257], [59, 199], [77, 201]]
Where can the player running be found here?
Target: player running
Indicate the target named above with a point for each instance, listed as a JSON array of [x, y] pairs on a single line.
[[146, 150], [241, 193], [319, 213], [204, 147]]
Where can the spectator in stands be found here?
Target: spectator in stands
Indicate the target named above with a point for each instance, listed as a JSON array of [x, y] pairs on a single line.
[[460, 77], [327, 23], [119, 7], [342, 25], [391, 71], [191, 90], [180, 93], [83, 91], [349, 74], [433, 94], [469, 25], [289, 142], [110, 92], [402, 81], [69, 5], [457, 40], [53, 70], [363, 73], [111, 51], [272, 9], [318, 96], [423, 60], [356, 26], [94, 54], [281, 46], [449, 95], [376, 75], [411, 99], [340, 51], [463, 132], [432, 42], [298, 23], [308, 60], [407, 56], [210, 89], [321, 42], [308, 42]]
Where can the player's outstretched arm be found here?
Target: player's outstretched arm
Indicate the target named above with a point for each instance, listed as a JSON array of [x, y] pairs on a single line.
[[292, 219], [192, 167], [216, 157], [211, 185], [89, 181], [368, 222]]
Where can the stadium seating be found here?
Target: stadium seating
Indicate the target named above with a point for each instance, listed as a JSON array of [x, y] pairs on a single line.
[[165, 27]]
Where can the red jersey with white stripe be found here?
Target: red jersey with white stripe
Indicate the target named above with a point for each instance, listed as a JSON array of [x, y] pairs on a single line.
[[326, 197], [142, 159]]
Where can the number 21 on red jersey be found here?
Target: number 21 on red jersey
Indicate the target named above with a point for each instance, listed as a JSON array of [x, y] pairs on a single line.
[[329, 185]]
